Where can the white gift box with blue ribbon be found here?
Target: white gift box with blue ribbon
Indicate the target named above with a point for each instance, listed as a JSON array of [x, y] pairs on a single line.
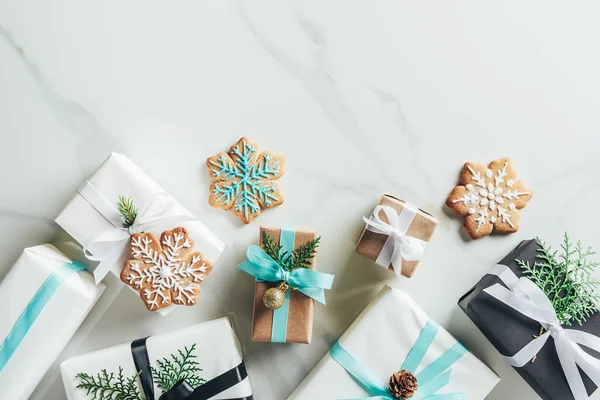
[[393, 333], [45, 297], [92, 213]]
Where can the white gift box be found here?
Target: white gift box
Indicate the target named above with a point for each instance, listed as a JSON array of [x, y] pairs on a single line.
[[120, 176], [56, 323], [217, 348], [380, 339]]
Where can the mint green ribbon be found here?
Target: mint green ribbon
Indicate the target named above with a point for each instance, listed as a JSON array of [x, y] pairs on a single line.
[[34, 308], [265, 269], [431, 379]]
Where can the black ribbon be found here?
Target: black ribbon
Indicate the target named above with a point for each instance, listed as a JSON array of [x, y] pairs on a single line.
[[182, 390], [139, 352]]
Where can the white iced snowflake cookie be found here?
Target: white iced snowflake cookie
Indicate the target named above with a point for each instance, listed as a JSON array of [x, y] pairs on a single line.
[[245, 181], [165, 271], [489, 197]]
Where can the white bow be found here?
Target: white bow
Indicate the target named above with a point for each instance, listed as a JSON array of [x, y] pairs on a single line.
[[399, 246], [527, 298], [109, 246]]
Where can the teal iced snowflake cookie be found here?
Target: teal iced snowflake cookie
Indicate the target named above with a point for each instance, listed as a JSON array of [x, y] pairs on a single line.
[[245, 180]]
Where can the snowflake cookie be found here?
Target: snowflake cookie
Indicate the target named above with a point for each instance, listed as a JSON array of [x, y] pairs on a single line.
[[167, 271], [245, 180], [489, 197]]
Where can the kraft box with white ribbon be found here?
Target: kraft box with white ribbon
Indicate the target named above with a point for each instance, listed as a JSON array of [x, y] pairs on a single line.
[[396, 235], [558, 362], [394, 334], [45, 297], [198, 362], [92, 217]]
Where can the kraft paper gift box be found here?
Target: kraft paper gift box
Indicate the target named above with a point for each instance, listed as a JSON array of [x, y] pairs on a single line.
[[93, 212], [45, 296], [380, 341], [396, 244], [510, 331], [292, 322], [222, 372]]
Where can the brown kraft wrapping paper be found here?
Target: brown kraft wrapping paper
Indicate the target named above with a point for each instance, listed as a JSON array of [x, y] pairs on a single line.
[[301, 308], [422, 227]]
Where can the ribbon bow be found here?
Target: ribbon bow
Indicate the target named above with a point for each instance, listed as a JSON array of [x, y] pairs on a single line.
[[264, 268], [399, 245], [528, 299], [109, 246]]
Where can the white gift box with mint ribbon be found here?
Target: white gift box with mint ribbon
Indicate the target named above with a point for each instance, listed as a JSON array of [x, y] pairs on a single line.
[[45, 297], [378, 344], [92, 218]]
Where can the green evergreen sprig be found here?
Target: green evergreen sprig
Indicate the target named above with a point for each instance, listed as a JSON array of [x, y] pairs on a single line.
[[566, 279], [105, 386], [108, 386], [299, 258], [176, 368], [128, 210]]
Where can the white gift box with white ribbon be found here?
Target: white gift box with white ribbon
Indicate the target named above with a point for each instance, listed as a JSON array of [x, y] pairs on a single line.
[[380, 339], [90, 212], [217, 348], [42, 308]]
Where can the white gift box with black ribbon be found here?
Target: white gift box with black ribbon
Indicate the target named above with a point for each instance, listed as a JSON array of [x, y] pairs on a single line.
[[216, 346], [45, 297], [93, 214], [380, 340]]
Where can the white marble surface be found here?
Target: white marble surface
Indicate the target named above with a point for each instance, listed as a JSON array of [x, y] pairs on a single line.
[[361, 97]]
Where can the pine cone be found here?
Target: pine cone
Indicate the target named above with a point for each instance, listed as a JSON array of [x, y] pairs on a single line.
[[403, 385]]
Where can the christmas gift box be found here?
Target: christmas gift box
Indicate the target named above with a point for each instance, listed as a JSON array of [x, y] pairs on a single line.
[[393, 350], [537, 309], [200, 362], [42, 288], [126, 221], [286, 284], [396, 235]]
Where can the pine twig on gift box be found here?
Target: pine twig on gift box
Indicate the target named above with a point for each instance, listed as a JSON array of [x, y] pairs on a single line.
[[300, 258], [566, 279], [105, 386], [128, 210], [185, 367]]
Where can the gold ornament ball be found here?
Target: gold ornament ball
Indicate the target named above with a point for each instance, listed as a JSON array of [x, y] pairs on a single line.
[[274, 298]]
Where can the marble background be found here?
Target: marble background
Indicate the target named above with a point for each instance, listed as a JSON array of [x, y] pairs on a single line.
[[362, 97]]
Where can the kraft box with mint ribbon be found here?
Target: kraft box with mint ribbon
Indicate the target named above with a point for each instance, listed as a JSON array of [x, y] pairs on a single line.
[[510, 310], [92, 217], [199, 362], [45, 297], [391, 335], [292, 321]]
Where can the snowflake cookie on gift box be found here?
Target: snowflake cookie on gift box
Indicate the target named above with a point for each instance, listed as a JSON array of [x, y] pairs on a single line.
[[489, 197], [165, 271], [244, 180]]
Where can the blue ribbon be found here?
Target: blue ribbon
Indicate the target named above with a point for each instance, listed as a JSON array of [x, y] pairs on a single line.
[[431, 379], [265, 269], [34, 308]]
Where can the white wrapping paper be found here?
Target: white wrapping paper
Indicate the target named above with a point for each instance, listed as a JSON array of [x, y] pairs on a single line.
[[380, 339], [119, 176], [55, 325], [217, 348]]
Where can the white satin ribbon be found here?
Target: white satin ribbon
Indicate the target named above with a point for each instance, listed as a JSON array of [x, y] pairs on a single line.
[[398, 246], [109, 246], [527, 298]]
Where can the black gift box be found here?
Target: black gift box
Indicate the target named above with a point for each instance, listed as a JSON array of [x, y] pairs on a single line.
[[509, 331]]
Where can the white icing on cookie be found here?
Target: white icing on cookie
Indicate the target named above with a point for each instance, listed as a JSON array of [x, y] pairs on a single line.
[[491, 196]]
